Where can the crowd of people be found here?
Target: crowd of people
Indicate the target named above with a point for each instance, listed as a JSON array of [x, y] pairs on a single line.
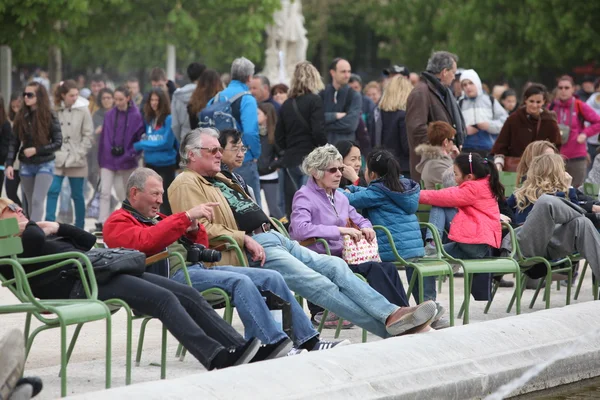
[[332, 162]]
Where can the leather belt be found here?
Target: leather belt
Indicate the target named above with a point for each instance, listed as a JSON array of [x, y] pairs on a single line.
[[263, 228]]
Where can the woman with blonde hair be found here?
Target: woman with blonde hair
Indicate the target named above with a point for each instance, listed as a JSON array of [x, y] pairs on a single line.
[[300, 127], [373, 91], [533, 150], [390, 127]]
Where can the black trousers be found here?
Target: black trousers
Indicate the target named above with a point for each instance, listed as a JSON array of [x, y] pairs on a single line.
[[168, 176], [12, 187], [179, 307], [383, 277]]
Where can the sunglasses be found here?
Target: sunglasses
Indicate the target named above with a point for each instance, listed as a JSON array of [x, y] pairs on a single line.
[[12, 207], [335, 169], [29, 95], [564, 87], [242, 149], [213, 150]]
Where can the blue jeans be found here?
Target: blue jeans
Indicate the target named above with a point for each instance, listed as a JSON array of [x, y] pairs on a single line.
[[76, 194], [481, 288], [440, 217], [249, 171], [326, 281], [243, 284]]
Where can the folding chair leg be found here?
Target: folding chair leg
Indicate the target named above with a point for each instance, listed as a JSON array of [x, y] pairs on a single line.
[[364, 336], [183, 353], [581, 276], [108, 378], [468, 283], [569, 282], [63, 359], [323, 318], [489, 303], [523, 281], [138, 356], [451, 296], [547, 291], [72, 344], [339, 328], [537, 292], [163, 354]]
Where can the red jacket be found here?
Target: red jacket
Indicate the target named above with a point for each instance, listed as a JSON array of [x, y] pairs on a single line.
[[122, 229], [478, 217]]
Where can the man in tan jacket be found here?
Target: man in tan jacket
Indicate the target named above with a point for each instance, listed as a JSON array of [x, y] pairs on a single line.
[[324, 280]]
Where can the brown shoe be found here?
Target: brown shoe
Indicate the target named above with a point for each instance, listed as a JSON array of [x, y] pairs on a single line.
[[406, 318]]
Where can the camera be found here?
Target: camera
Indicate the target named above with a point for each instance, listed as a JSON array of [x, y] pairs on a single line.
[[198, 253], [117, 151]]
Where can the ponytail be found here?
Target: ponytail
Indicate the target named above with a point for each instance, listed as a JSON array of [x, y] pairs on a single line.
[[385, 165], [473, 163]]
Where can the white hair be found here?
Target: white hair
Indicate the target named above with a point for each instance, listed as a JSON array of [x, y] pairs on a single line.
[[242, 69], [320, 159], [439, 61], [193, 142]]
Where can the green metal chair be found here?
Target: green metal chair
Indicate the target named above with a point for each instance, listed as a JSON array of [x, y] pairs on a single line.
[[591, 189], [581, 277], [493, 265], [52, 313], [424, 267], [509, 181]]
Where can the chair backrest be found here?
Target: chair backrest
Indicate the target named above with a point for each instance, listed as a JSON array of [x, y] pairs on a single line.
[[10, 244], [423, 212], [279, 227], [591, 189], [509, 181]]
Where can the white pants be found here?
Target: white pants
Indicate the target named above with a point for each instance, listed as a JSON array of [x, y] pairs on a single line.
[[108, 180]]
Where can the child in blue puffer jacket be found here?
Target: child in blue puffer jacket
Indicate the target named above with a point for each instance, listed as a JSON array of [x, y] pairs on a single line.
[[392, 201], [158, 143]]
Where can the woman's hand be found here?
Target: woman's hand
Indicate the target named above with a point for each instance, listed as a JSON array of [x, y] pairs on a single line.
[[568, 179], [99, 130], [454, 152], [499, 167], [471, 130], [581, 138], [9, 173], [350, 174], [369, 234], [504, 218], [49, 228], [355, 234], [484, 126], [30, 152]]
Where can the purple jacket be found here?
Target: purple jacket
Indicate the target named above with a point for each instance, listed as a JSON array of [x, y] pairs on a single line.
[[124, 136], [313, 216]]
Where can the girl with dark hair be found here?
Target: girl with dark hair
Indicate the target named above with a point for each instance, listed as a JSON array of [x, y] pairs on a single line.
[[269, 178], [529, 123], [352, 159], [508, 99], [12, 185], [71, 160], [36, 138], [209, 84], [159, 144], [123, 126], [476, 227], [392, 201]]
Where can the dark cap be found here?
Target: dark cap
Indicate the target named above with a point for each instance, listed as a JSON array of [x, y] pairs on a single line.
[[395, 70]]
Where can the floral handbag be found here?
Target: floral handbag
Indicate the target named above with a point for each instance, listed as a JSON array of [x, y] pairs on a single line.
[[355, 253]]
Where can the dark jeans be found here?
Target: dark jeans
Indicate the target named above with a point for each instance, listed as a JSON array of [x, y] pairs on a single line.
[[12, 186], [383, 277], [294, 178], [182, 310], [481, 288], [168, 176]]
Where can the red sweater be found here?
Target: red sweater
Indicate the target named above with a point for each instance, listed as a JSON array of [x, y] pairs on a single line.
[[122, 229], [478, 217]]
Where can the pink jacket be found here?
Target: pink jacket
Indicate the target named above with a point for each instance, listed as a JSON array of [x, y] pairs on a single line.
[[478, 218], [572, 149]]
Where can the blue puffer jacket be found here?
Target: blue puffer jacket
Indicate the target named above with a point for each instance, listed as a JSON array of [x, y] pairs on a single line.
[[394, 210], [159, 146]]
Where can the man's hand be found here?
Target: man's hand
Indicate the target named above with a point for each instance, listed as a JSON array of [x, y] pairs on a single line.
[[30, 152], [340, 115], [369, 234], [581, 138], [355, 234], [255, 249], [98, 130], [203, 210], [49, 228], [471, 130], [595, 209], [484, 126]]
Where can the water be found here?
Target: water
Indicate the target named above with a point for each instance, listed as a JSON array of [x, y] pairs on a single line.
[[588, 389]]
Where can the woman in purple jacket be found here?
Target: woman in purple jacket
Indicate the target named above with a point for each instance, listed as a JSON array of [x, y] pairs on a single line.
[[123, 126], [320, 211]]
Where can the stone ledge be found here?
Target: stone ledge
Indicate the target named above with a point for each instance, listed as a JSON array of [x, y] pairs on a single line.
[[460, 363]]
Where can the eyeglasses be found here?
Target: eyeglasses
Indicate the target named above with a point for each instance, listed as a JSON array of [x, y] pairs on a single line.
[[564, 87], [12, 207], [335, 169], [29, 95], [236, 150], [212, 150]]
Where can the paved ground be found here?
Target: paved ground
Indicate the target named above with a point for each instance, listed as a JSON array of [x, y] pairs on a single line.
[[86, 369]]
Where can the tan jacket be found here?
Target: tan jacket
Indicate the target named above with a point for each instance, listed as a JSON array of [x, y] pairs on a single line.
[[77, 131], [434, 163], [190, 189]]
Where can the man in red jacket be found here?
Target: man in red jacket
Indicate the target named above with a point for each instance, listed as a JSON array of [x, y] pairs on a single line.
[[138, 225]]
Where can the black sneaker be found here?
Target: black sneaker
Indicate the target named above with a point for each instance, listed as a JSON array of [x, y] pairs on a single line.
[[328, 344], [236, 356], [274, 350]]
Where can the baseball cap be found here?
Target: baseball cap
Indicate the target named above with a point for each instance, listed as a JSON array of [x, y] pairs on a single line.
[[395, 70]]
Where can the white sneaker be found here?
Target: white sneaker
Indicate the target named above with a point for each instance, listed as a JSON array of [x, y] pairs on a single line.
[[295, 351], [328, 344]]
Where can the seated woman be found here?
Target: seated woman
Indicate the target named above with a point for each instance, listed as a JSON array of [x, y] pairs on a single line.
[[533, 150], [352, 160], [392, 201], [320, 211], [179, 307]]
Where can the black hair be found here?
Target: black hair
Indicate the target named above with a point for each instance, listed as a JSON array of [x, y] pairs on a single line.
[[533, 89], [98, 78], [508, 93], [344, 147], [334, 63], [384, 164], [124, 90], [194, 70], [481, 167], [225, 134]]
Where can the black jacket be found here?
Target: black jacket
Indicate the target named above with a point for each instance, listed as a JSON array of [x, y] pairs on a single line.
[[44, 153], [296, 136], [394, 137], [5, 138]]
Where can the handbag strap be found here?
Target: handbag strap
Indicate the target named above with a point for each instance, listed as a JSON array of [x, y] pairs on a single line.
[[300, 117]]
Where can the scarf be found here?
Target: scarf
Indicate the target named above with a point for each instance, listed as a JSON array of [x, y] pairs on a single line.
[[144, 220], [451, 105]]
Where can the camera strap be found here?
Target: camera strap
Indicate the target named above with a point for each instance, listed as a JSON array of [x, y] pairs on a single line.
[[114, 135]]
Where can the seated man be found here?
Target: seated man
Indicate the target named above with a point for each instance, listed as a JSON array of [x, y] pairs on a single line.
[[326, 281], [233, 157], [138, 225]]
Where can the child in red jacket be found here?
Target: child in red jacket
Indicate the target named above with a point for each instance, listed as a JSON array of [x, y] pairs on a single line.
[[476, 227]]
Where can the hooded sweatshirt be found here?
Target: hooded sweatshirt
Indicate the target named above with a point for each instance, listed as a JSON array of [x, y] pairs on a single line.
[[121, 129], [594, 102], [180, 119], [481, 109], [569, 113], [158, 145]]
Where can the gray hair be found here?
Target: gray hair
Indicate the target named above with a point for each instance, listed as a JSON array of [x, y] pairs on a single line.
[[439, 61], [138, 178], [242, 69], [193, 142], [355, 78], [263, 80], [319, 159]]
